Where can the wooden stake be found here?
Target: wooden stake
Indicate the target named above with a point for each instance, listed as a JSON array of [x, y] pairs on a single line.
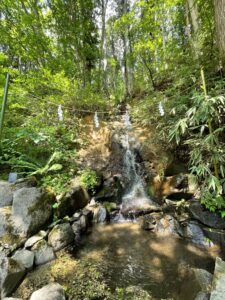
[[4, 105]]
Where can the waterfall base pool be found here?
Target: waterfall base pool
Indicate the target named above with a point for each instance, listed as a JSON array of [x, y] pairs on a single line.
[[160, 265]]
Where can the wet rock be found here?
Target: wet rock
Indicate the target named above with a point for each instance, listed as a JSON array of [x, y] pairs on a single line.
[[35, 238], [168, 225], [43, 253], [6, 194], [149, 222], [77, 199], [32, 209], [25, 258], [204, 279], [218, 285], [193, 231], [52, 291], [206, 217], [163, 224], [217, 236], [61, 236], [202, 296], [100, 215], [139, 210], [11, 274]]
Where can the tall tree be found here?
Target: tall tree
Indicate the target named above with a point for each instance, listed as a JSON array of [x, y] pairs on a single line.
[[220, 28]]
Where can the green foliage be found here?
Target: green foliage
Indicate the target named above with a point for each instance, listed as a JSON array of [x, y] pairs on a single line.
[[89, 179], [206, 145]]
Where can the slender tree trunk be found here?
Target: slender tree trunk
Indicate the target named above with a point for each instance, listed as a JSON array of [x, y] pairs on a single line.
[[102, 78], [193, 24], [220, 28]]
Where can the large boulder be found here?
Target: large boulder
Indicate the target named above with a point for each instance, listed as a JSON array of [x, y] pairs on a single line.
[[32, 209], [206, 217], [218, 285], [52, 291], [6, 194], [61, 236], [11, 274], [43, 253], [76, 199], [25, 258]]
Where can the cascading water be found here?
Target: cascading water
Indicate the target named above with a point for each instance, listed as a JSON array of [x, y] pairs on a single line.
[[135, 197]]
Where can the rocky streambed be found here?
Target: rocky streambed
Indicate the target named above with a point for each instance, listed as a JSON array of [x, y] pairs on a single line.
[[161, 252]]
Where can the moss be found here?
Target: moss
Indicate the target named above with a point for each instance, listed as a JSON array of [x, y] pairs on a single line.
[[46, 199], [39, 245]]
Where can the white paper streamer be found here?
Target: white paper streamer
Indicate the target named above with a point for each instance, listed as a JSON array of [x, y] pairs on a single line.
[[161, 109], [96, 120], [60, 113]]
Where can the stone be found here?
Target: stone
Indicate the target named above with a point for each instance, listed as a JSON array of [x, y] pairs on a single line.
[[43, 253], [61, 236], [35, 238], [5, 221], [217, 236], [204, 279], [159, 223], [206, 217], [149, 222], [6, 194], [88, 213], [52, 291], [32, 209], [100, 215], [74, 200], [24, 257], [25, 183], [195, 234], [202, 296], [11, 274], [168, 225], [218, 284]]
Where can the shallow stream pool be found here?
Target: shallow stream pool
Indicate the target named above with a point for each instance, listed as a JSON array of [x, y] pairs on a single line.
[[158, 264]]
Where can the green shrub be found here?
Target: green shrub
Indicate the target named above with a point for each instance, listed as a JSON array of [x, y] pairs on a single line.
[[89, 179]]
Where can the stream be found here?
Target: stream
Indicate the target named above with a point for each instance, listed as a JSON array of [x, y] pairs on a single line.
[[159, 265]]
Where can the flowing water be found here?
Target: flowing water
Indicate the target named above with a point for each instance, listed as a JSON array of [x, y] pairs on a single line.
[[135, 196], [160, 265], [130, 256]]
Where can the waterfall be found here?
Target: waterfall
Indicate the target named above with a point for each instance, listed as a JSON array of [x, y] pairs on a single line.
[[135, 197]]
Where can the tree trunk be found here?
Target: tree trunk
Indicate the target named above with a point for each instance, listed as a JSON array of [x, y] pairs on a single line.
[[220, 28], [193, 25]]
